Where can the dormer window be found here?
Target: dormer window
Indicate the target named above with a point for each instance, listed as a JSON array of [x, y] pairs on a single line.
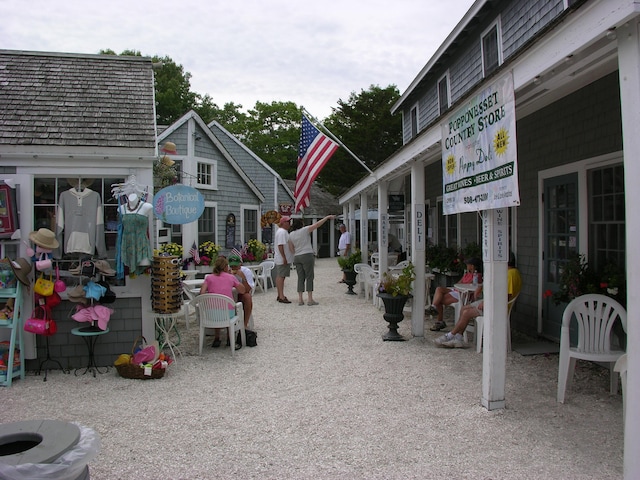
[[443, 94]]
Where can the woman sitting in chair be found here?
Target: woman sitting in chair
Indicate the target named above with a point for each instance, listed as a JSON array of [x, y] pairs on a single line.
[[454, 338], [223, 283]]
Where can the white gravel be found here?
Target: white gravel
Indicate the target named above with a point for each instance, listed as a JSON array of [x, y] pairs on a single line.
[[322, 396]]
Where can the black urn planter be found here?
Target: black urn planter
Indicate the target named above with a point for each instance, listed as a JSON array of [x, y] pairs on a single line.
[[350, 280], [393, 307]]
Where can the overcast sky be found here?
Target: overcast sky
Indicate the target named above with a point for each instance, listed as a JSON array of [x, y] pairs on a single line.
[[243, 51]]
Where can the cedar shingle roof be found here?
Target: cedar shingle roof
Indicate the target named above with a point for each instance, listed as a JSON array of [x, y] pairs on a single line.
[[57, 99]]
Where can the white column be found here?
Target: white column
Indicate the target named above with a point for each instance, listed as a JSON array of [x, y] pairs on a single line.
[[364, 227], [495, 255], [629, 65], [383, 225], [418, 242], [351, 224]]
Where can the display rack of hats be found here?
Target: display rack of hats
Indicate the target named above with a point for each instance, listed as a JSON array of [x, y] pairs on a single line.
[[92, 293], [166, 286], [46, 292]]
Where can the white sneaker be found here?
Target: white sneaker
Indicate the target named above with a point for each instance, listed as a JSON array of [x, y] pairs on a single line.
[[456, 342], [440, 341]]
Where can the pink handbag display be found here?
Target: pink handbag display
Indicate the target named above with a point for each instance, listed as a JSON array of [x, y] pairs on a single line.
[[59, 285], [40, 323]]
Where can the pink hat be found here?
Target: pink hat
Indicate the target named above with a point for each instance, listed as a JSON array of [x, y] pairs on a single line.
[[284, 219]]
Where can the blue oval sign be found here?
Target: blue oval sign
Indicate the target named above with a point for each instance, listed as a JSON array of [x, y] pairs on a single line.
[[178, 204]]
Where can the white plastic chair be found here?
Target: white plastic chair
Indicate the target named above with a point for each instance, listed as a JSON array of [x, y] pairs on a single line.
[[595, 315], [375, 261], [478, 327], [399, 266], [212, 310], [621, 368], [264, 276], [360, 278]]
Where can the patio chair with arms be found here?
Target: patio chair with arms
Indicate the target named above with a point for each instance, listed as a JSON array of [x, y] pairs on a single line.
[[213, 311], [264, 275], [595, 315]]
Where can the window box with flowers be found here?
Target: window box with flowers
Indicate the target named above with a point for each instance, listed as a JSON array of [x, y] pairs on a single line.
[[254, 251], [208, 252], [173, 249]]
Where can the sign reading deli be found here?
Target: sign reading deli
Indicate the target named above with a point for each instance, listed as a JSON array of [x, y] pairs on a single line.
[[479, 154]]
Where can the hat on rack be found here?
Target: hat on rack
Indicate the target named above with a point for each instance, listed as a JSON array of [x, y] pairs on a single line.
[[165, 160], [21, 269], [44, 238], [86, 182], [77, 295], [170, 148]]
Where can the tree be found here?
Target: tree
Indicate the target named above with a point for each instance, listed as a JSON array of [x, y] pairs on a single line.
[[174, 97], [273, 133], [365, 125]]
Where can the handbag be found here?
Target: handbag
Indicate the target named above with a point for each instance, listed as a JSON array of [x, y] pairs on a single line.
[[43, 286], [59, 285], [40, 323]]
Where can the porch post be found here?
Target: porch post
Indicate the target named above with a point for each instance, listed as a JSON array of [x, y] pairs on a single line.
[[364, 227], [629, 71], [383, 226], [494, 357], [418, 242]]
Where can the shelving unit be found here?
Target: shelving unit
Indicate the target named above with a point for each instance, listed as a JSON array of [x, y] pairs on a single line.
[[16, 337]]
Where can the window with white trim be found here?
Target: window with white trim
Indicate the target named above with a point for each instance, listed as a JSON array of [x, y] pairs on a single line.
[[207, 173], [491, 46], [414, 122], [207, 223], [249, 222], [443, 94]]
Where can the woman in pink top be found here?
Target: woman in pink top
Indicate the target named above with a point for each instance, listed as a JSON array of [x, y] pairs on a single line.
[[223, 283], [446, 296]]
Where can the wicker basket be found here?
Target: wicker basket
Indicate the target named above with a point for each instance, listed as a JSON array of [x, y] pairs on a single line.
[[136, 372]]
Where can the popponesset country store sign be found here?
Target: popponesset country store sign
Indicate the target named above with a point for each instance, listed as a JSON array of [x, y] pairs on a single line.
[[479, 152], [178, 204]]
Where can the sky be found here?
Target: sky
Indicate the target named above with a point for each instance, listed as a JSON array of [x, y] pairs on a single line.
[[244, 51]]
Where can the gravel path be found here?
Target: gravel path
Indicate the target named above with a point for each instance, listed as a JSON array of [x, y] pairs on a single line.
[[322, 396]]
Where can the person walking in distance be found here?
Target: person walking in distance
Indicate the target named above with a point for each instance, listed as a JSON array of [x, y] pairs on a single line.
[[283, 257], [344, 245]]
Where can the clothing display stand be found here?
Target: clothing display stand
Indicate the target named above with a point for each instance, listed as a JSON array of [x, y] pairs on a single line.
[[49, 359], [16, 337]]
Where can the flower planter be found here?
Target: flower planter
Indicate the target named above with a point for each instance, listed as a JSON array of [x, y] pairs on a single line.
[[204, 268], [393, 307], [350, 280]]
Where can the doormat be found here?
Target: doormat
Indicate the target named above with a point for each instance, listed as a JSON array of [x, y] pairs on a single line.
[[535, 348]]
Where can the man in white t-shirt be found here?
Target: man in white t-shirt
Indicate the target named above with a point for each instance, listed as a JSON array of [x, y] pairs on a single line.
[[344, 245], [283, 257]]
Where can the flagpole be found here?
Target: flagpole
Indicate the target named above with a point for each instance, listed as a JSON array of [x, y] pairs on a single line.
[[304, 110]]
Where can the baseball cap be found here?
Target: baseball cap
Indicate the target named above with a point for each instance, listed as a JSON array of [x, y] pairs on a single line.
[[234, 260], [285, 219]]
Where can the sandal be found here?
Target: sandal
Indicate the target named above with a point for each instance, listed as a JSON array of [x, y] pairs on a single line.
[[284, 300], [438, 326]]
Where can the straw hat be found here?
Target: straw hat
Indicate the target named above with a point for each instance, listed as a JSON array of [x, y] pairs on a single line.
[[21, 269], [167, 161], [44, 238], [170, 148]]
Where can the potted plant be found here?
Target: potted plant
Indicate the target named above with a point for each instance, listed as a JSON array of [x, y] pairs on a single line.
[[254, 251], [394, 291], [347, 265], [208, 252]]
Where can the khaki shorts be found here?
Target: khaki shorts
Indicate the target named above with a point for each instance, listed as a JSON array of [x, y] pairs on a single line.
[[283, 270]]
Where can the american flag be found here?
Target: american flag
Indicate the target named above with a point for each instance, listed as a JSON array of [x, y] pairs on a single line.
[[194, 253], [237, 252], [314, 152]]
